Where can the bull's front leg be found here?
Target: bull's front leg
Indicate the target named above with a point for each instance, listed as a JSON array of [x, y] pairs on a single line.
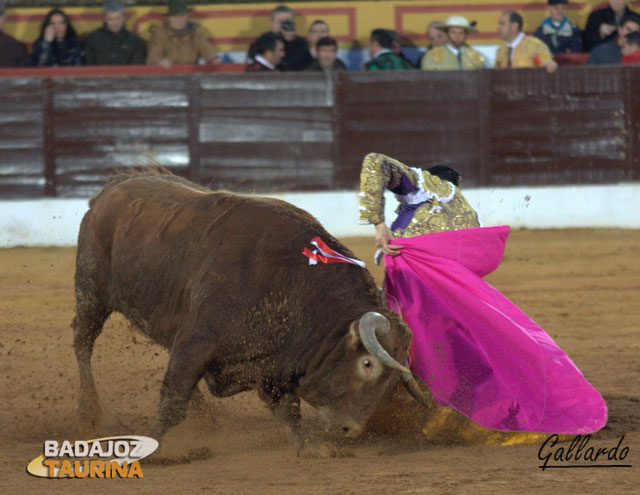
[[187, 363], [286, 406]]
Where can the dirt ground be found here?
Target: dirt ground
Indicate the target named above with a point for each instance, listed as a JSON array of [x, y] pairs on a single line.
[[582, 286]]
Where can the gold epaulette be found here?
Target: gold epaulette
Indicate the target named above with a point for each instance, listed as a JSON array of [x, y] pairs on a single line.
[[436, 185], [532, 45], [476, 56], [437, 54]]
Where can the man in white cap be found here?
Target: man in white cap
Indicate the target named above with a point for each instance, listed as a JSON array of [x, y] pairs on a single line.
[[455, 54]]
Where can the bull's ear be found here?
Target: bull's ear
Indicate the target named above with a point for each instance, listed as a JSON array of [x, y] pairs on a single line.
[[353, 338], [406, 330]]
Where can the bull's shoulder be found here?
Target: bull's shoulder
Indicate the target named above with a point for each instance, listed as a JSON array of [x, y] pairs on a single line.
[[146, 184], [154, 179]]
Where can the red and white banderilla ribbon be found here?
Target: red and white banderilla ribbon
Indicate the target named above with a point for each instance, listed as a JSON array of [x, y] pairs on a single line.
[[325, 254]]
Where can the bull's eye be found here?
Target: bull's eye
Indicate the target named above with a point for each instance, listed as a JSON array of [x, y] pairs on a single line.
[[368, 368]]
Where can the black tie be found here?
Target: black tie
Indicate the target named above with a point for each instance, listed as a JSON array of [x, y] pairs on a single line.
[[509, 57], [460, 59]]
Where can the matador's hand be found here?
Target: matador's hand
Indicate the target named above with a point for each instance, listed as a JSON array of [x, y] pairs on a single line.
[[383, 236]]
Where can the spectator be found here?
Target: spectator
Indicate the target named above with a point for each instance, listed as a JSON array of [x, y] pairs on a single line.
[[318, 29], [631, 49], [602, 24], [455, 54], [558, 32], [521, 50], [58, 43], [265, 53], [12, 52], [297, 56], [435, 35], [179, 41], [327, 60], [610, 52], [113, 44], [380, 44], [396, 48]]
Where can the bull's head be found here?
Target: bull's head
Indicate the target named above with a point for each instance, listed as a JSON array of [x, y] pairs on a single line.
[[349, 382]]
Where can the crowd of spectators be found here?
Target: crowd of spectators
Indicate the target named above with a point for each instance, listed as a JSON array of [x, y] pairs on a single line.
[[610, 37]]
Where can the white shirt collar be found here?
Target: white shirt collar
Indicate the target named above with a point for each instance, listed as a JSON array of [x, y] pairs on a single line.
[[380, 52], [453, 49], [265, 62], [516, 41]]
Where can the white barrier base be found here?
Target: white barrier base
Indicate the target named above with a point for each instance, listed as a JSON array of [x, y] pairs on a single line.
[[55, 222]]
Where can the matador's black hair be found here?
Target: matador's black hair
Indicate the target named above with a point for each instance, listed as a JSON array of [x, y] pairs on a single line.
[[445, 173]]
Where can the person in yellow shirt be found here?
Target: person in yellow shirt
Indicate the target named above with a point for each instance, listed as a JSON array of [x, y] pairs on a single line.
[[519, 49], [455, 54]]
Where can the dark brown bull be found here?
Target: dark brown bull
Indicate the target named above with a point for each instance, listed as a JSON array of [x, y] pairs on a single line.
[[219, 279]]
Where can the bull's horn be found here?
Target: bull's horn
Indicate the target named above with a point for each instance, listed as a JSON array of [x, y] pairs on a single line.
[[410, 383], [370, 324]]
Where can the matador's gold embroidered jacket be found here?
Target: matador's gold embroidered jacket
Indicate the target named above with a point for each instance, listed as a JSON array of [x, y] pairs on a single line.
[[427, 203]]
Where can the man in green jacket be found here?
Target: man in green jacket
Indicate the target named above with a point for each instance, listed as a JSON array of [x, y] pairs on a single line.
[[113, 44], [382, 58]]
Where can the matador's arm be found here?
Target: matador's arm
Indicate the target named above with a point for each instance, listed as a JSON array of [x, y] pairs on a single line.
[[379, 172]]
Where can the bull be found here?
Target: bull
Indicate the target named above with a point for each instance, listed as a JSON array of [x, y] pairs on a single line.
[[220, 281]]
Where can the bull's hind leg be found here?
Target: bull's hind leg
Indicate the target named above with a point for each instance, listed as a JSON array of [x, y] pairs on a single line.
[[87, 325]]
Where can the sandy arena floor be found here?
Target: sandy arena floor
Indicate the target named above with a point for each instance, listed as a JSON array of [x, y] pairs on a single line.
[[582, 286]]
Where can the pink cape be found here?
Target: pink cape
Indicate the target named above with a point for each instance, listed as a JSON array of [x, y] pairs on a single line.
[[477, 351]]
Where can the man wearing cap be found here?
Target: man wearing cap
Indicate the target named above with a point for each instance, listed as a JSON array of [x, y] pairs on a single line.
[[12, 52], [521, 50], [557, 31], [455, 54], [113, 44], [180, 41]]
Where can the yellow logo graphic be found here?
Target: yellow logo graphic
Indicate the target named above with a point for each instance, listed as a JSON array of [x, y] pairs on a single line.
[[108, 457]]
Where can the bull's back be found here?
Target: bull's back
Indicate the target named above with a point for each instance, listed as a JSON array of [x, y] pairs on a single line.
[[169, 247]]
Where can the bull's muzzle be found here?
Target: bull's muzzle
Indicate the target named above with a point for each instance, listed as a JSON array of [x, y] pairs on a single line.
[[346, 425]]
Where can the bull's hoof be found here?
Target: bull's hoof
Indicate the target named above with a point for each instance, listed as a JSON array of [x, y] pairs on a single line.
[[323, 451]]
